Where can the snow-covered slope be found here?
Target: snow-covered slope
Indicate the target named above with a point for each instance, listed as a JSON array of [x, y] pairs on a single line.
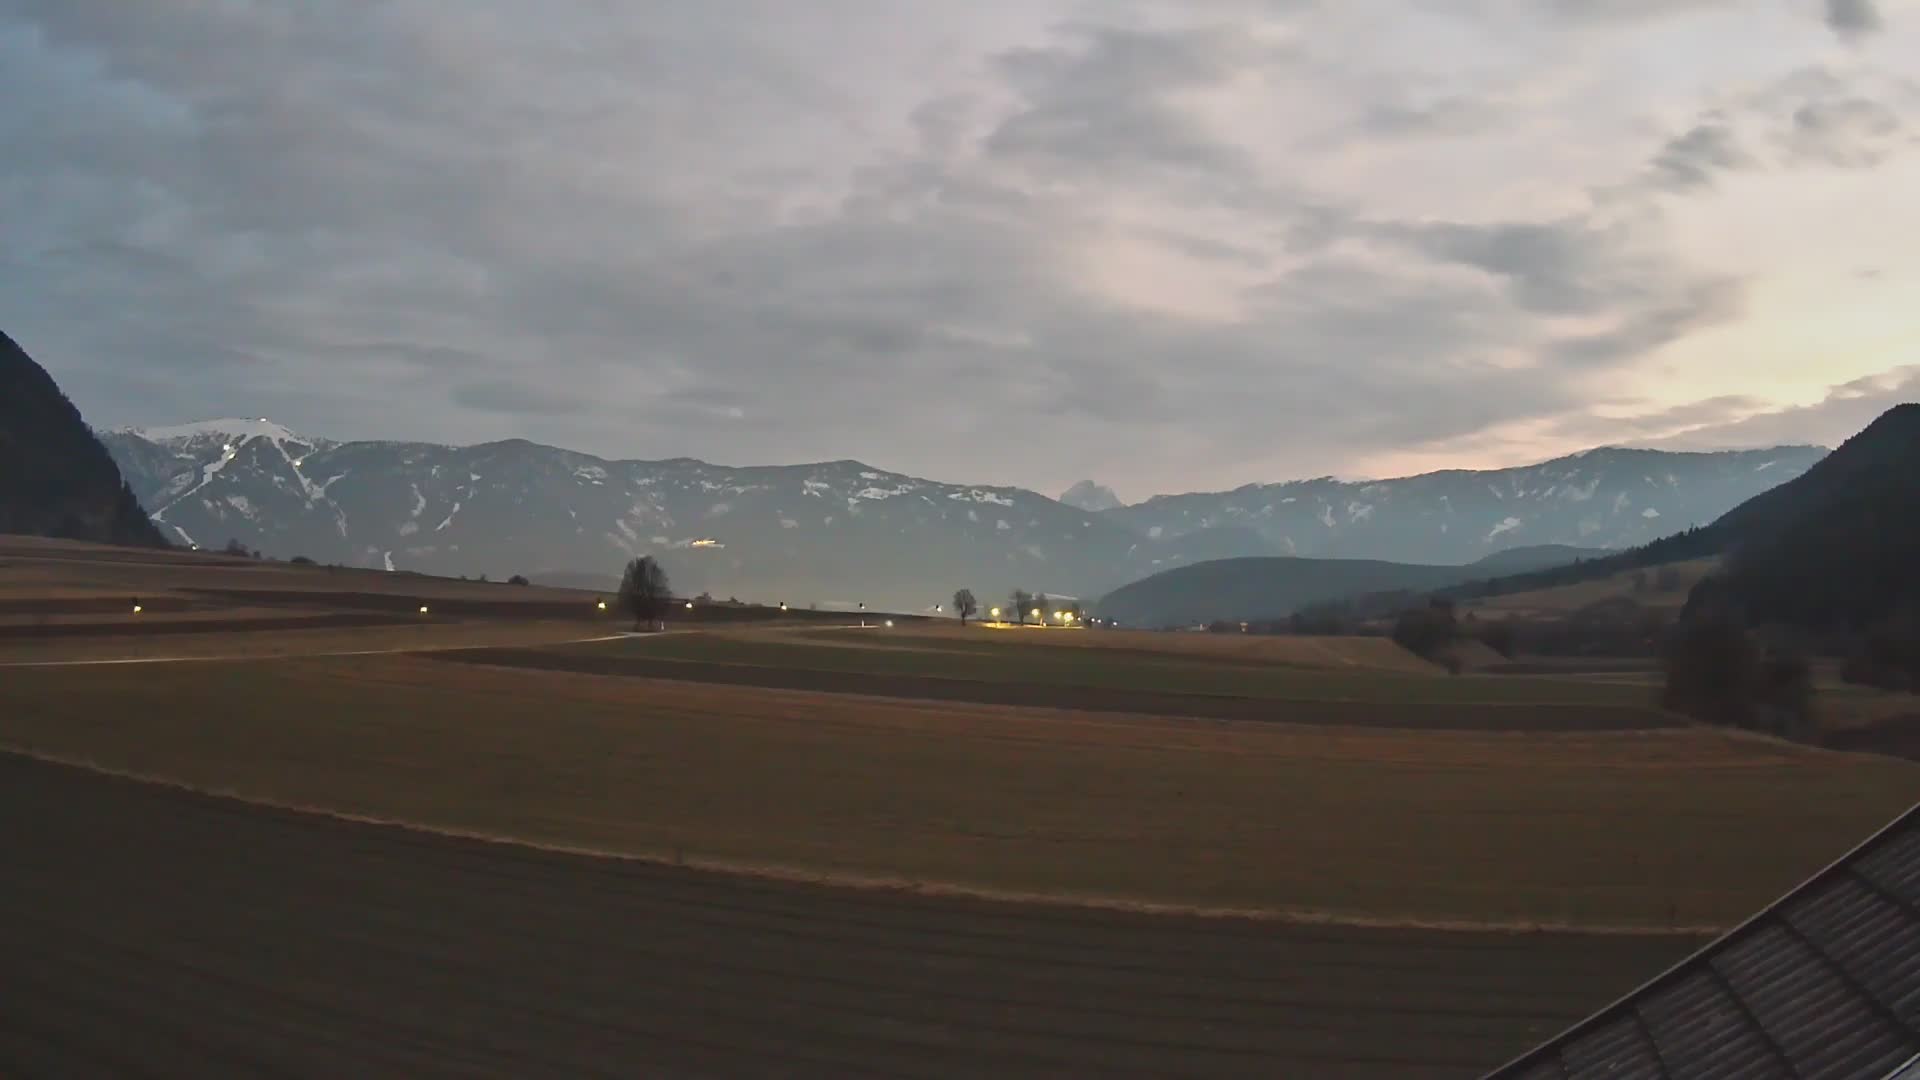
[[843, 532], [1607, 498]]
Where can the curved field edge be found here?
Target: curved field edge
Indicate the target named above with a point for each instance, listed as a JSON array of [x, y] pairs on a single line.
[[799, 875], [1688, 828], [335, 948]]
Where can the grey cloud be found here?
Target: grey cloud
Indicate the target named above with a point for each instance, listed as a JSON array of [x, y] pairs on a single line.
[[1846, 409], [505, 396], [1659, 423], [1103, 100], [1691, 159], [1567, 267], [1852, 18], [1851, 133], [1449, 116], [671, 235], [1698, 306]]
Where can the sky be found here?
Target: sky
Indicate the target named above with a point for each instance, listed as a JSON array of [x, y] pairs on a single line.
[[1168, 246]]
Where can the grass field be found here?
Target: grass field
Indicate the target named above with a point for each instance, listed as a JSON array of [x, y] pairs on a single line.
[[1566, 599], [1686, 827], [1031, 658]]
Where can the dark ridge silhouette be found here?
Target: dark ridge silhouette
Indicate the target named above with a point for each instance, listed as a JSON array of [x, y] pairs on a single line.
[[1837, 548], [55, 477]]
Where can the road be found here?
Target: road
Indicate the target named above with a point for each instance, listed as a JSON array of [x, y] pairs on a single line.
[[146, 930]]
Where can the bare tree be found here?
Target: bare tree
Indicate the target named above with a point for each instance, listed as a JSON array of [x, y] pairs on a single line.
[[645, 592], [1040, 605], [964, 605], [1021, 600]]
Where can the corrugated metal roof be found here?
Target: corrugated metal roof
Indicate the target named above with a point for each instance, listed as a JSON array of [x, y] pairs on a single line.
[[1824, 983]]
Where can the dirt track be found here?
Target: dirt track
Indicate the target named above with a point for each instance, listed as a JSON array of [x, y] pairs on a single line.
[[1436, 717], [151, 931]]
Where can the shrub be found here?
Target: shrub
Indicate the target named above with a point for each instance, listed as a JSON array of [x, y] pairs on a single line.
[[1717, 673], [1426, 631], [518, 579]]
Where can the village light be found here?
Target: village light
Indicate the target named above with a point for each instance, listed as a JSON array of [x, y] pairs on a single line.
[[995, 613], [1036, 613], [136, 609], [602, 605], [689, 605], [423, 609]]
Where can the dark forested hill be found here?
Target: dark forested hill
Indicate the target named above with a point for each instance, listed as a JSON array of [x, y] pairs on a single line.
[[55, 477], [1837, 547], [1269, 588], [1840, 546]]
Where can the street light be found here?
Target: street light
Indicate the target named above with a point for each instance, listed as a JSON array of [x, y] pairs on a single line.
[[995, 613], [423, 609], [602, 605], [136, 609], [1036, 613], [689, 605]]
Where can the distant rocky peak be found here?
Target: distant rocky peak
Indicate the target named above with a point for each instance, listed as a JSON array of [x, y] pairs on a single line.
[[1091, 497]]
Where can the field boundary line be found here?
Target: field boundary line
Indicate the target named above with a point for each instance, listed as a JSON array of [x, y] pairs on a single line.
[[128, 660], [876, 883]]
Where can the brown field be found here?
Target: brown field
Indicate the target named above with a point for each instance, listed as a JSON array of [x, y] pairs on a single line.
[[932, 851], [56, 568], [1566, 599], [142, 925], [1686, 827]]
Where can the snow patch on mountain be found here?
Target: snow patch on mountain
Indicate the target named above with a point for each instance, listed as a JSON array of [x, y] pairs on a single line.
[[230, 429]]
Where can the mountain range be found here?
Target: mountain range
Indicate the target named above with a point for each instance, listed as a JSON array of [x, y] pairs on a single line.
[[839, 533]]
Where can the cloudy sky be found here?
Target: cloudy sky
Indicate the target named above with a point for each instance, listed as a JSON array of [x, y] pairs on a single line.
[[1166, 245]]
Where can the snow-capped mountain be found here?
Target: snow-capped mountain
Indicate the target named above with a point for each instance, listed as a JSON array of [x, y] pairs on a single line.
[[830, 533], [1611, 497], [842, 532], [1089, 496]]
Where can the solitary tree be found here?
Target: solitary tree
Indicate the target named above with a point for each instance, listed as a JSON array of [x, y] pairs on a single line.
[[964, 605], [1022, 599], [644, 592], [1040, 604], [517, 579]]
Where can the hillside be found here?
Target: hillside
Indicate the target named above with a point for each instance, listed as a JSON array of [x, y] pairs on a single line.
[[1840, 546], [1831, 548], [55, 477], [1266, 588]]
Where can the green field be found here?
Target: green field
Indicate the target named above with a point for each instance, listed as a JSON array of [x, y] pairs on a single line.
[[1015, 657]]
